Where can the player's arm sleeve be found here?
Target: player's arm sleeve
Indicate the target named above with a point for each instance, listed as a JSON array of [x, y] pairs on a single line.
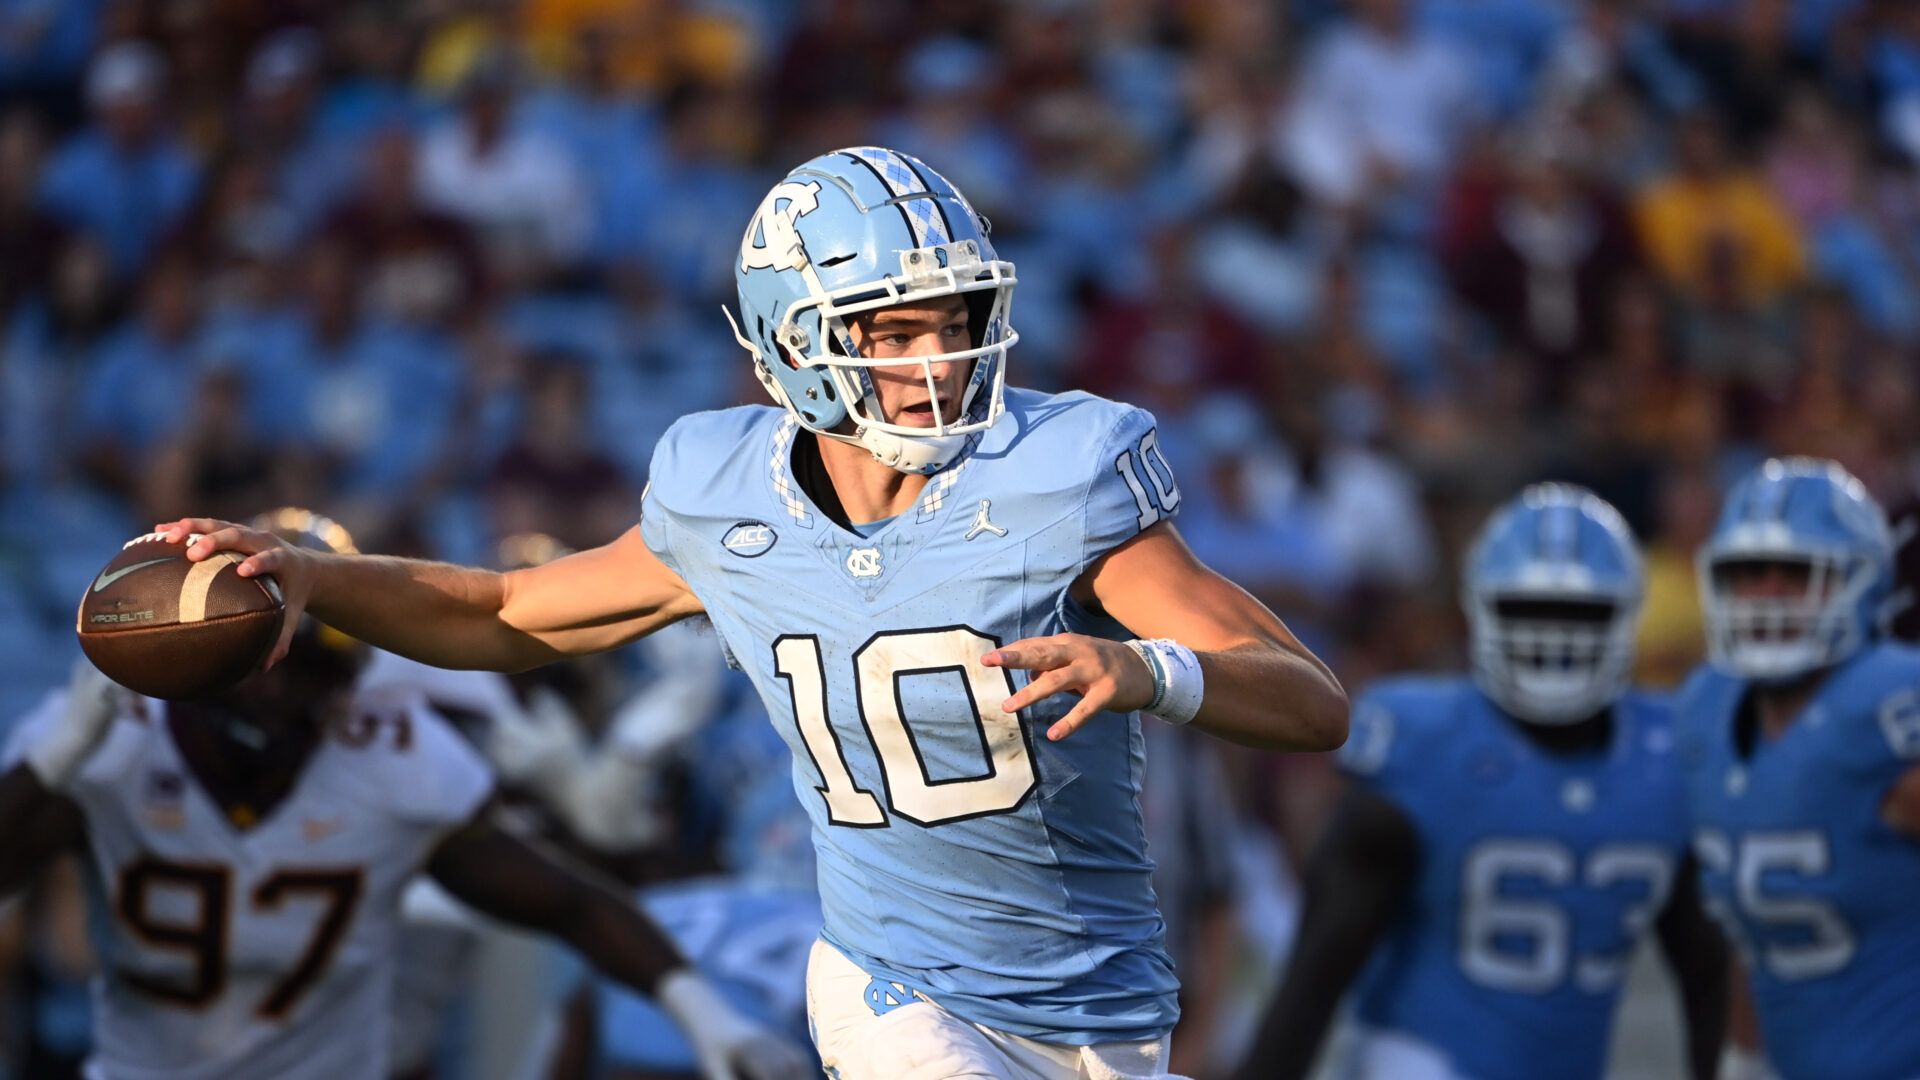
[[657, 526], [1132, 487], [1357, 877], [508, 878], [38, 823], [1698, 955]]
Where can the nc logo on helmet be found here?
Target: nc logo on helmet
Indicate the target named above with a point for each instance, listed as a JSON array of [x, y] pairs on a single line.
[[774, 223]]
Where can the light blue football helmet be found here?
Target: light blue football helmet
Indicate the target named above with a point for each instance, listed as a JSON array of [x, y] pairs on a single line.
[[854, 231], [1552, 592], [1815, 517]]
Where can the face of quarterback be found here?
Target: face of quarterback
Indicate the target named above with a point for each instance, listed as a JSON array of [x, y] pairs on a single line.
[[925, 328]]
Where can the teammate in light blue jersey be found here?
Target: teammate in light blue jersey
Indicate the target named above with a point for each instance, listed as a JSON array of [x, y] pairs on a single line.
[[1803, 752], [1507, 839], [935, 583]]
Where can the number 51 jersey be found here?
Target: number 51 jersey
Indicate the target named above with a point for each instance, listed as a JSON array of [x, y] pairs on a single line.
[[267, 951], [962, 855]]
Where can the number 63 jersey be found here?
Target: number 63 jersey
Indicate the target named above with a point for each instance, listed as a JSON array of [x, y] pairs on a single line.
[[1538, 875], [1818, 894], [267, 951], [962, 856]]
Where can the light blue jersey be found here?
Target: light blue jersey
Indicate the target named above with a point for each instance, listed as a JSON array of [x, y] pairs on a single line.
[[961, 854], [1538, 874], [1821, 898]]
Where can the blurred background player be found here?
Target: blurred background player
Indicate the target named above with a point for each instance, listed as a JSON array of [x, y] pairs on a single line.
[[252, 850], [1507, 839], [1803, 755]]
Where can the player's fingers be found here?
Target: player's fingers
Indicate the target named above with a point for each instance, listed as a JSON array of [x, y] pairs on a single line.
[[176, 531], [289, 622], [1075, 718], [1029, 654], [269, 562], [1044, 685], [228, 538]]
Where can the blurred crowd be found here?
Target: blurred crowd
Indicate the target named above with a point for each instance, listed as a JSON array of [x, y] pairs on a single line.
[[445, 269]]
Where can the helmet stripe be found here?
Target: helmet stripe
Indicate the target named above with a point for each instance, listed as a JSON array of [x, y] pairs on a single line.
[[946, 224], [897, 173], [860, 154]]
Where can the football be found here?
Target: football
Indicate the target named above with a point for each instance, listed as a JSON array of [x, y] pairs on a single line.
[[166, 627]]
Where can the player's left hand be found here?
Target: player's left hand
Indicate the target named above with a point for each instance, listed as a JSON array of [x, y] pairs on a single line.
[[1103, 674], [730, 1046], [742, 1050]]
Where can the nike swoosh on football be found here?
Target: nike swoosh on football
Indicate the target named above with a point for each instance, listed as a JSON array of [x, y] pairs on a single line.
[[105, 580]]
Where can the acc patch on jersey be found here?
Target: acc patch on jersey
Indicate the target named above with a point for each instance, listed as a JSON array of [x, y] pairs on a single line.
[[750, 539]]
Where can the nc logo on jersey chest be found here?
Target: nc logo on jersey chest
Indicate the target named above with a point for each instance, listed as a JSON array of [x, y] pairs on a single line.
[[864, 562], [749, 539]]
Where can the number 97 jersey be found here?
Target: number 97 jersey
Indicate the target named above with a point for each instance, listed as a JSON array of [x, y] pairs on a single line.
[[1820, 897], [961, 854], [267, 951]]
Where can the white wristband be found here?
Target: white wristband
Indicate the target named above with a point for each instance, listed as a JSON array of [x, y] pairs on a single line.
[[1178, 683]]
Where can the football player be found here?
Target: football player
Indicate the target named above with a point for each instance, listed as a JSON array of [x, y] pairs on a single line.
[[1803, 752], [251, 850], [956, 600], [1508, 838]]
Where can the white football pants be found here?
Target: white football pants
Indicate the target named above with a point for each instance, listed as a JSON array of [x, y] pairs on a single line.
[[919, 1040]]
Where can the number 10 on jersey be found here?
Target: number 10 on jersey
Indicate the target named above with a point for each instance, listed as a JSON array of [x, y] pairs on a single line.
[[952, 652]]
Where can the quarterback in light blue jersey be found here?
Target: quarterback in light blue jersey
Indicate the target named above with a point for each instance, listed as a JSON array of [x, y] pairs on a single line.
[[1803, 753], [957, 600], [1509, 838]]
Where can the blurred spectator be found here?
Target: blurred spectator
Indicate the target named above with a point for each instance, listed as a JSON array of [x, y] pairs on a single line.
[[1745, 57], [1712, 229], [127, 178], [1538, 251], [372, 396], [29, 238], [1613, 43], [516, 187], [215, 461], [651, 44], [315, 165], [1672, 632], [43, 372], [1380, 103], [401, 246], [1817, 164], [372, 42], [44, 46], [140, 380], [552, 478], [702, 179], [947, 118]]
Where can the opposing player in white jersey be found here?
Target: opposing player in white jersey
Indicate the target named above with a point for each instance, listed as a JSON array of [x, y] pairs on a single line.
[[251, 850], [955, 599]]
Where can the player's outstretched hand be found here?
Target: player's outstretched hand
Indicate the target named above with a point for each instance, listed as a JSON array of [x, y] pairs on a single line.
[[729, 1045], [265, 554], [92, 702], [1103, 674]]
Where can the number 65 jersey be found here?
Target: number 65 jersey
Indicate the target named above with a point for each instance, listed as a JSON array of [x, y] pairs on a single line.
[[962, 855], [1819, 895], [267, 951]]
